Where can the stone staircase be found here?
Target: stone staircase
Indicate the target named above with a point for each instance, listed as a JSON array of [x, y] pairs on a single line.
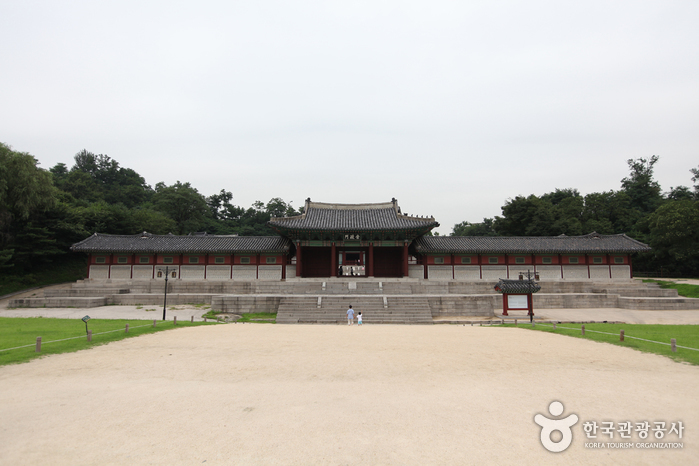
[[375, 309], [380, 300]]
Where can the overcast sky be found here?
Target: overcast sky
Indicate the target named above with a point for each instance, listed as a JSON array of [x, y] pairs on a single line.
[[450, 107]]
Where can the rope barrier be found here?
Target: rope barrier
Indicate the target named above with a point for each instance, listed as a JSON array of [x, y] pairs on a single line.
[[625, 336], [72, 338]]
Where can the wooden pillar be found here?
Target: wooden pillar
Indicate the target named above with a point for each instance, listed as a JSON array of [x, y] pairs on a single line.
[[452, 267], [133, 262], [333, 260], [206, 264], [609, 265], [285, 259], [507, 265], [405, 259], [257, 266], [232, 259], [155, 263], [504, 304], [480, 265], [89, 261], [111, 260], [298, 259], [371, 258]]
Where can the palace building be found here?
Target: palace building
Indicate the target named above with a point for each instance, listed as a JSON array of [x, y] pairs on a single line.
[[357, 240]]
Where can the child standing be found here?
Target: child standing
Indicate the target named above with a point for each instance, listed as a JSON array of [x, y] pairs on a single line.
[[359, 318]]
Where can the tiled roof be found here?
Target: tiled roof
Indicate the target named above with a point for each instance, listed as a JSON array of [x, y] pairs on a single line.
[[352, 217], [517, 286], [147, 243], [590, 244]]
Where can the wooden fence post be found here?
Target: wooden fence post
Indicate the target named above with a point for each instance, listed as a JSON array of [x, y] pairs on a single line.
[[38, 344], [153, 323], [673, 345], [89, 335], [621, 335], [127, 328], [192, 319], [554, 325], [175, 318], [583, 329]]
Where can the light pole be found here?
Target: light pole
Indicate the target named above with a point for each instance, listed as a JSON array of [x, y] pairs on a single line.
[[167, 273]]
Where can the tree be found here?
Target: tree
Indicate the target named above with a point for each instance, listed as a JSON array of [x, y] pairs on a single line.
[[484, 228], [183, 204], [25, 191], [674, 236], [644, 192]]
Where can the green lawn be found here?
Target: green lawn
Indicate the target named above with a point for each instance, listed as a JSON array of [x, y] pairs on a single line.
[[683, 289], [19, 332], [685, 335]]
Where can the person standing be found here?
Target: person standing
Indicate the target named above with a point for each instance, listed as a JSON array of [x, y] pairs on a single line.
[[350, 315], [359, 318]]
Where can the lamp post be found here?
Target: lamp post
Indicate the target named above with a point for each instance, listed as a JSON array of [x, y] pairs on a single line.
[[530, 297], [167, 273]]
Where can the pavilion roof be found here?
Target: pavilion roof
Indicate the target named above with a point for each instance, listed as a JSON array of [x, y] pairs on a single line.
[[198, 243], [588, 244], [320, 216]]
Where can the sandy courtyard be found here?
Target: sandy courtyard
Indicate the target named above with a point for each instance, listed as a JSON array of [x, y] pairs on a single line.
[[275, 394]]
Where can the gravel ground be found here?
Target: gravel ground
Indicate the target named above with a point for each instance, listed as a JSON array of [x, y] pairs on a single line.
[[304, 394]]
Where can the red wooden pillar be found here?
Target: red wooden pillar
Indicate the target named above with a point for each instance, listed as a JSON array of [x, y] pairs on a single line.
[[298, 259], [371, 258], [333, 260], [405, 259], [609, 265], [232, 258], [206, 264], [480, 265], [155, 263], [452, 267], [504, 304], [111, 261], [257, 266], [507, 265], [133, 261], [285, 259], [424, 266], [530, 304]]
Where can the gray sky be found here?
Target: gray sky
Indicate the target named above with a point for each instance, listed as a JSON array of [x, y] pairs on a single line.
[[450, 107]]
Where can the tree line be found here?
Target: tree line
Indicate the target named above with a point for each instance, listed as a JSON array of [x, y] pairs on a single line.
[[668, 222], [43, 212]]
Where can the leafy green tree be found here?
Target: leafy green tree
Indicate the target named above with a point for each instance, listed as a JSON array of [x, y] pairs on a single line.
[[674, 236], [643, 191], [484, 228], [183, 204], [25, 191]]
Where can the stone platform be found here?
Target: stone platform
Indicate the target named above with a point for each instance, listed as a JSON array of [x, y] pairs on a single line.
[[406, 301]]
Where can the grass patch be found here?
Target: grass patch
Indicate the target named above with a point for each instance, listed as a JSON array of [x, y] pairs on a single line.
[[683, 289], [259, 317], [70, 269], [685, 335], [253, 317], [20, 331]]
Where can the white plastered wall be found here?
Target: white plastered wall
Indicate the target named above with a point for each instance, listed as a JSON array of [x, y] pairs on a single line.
[[120, 272], [467, 272]]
